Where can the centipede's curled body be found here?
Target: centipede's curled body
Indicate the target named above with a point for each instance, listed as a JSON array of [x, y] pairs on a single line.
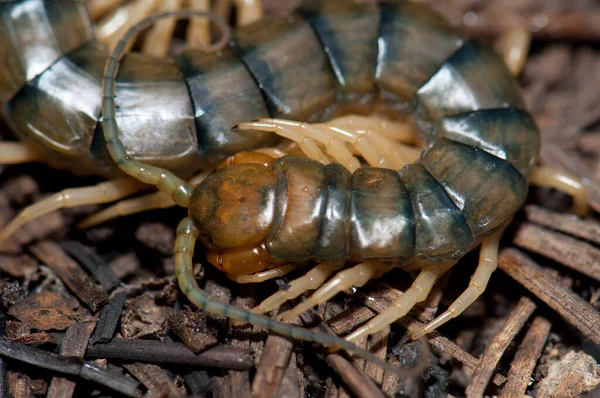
[[481, 142]]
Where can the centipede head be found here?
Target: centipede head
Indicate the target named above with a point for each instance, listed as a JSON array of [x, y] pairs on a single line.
[[233, 209]]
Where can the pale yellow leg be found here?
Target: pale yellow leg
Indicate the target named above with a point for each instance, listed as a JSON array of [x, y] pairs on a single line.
[[156, 200], [158, 40], [97, 8], [104, 192], [18, 152], [198, 33], [312, 280], [275, 153], [356, 276], [377, 149], [416, 293], [405, 132], [513, 46], [553, 178], [111, 28], [248, 11], [488, 262], [262, 276]]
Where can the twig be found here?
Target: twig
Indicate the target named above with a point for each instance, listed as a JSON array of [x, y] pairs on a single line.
[[57, 363], [529, 351], [570, 306], [108, 320], [73, 345], [571, 252], [93, 263], [92, 294], [272, 366], [567, 223], [499, 344], [223, 357]]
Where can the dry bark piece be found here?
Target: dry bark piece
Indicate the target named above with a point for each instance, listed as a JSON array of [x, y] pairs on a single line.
[[144, 318], [125, 265], [35, 339], [19, 266], [73, 345], [45, 311], [567, 304], [89, 292], [155, 379], [49, 225], [191, 328], [524, 362], [488, 362], [571, 376]]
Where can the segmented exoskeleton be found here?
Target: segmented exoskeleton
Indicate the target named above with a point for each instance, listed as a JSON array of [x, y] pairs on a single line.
[[481, 144]]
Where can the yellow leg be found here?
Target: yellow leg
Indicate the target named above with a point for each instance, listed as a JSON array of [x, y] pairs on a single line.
[[198, 33], [111, 28], [248, 11], [338, 136], [97, 8], [513, 46], [356, 276], [263, 275], [416, 293], [158, 39], [552, 178], [104, 192], [18, 152], [312, 280], [488, 262]]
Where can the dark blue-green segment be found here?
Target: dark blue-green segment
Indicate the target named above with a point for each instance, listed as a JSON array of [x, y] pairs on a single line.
[[487, 189], [348, 32], [414, 42], [333, 243], [509, 134], [33, 35], [441, 231], [299, 204], [474, 78], [223, 94], [59, 109], [154, 114], [382, 224], [287, 61]]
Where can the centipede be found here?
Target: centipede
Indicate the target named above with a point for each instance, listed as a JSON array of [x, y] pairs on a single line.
[[358, 202]]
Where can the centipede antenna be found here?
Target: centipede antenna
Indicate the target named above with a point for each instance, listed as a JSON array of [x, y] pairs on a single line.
[[187, 234], [179, 190]]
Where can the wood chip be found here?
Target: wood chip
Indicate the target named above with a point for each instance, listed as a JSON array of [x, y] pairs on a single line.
[[571, 376], [499, 344], [45, 311], [527, 355], [567, 304], [155, 379], [190, 327], [272, 366], [89, 292], [74, 346], [559, 247], [19, 266]]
